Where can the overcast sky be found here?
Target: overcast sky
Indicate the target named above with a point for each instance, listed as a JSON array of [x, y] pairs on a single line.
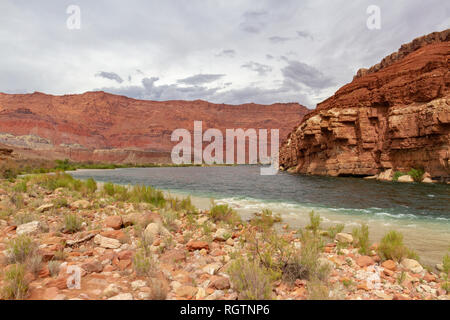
[[223, 51]]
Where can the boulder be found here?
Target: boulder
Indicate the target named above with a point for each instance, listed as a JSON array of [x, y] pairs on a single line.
[[80, 204], [405, 178], [386, 175], [197, 245], [364, 261], [344, 237], [28, 228], [45, 207], [389, 264], [412, 265], [154, 229], [114, 222], [221, 235], [107, 243]]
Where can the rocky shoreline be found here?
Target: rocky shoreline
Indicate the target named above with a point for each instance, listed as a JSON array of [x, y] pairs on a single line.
[[139, 244]]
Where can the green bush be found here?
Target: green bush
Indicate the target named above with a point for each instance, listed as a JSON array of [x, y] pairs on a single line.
[[20, 249], [223, 212], [361, 238], [446, 263], [334, 230], [250, 279], [266, 219], [392, 247], [314, 222], [20, 186], [143, 265], [16, 286], [416, 174], [72, 223]]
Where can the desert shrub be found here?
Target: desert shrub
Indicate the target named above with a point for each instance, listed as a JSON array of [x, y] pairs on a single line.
[[20, 248], [168, 219], [20, 186], [24, 217], [60, 202], [416, 174], [159, 289], [17, 200], [16, 286], [361, 238], [147, 194], [59, 255], [53, 267], [317, 290], [6, 213], [90, 186], [223, 212], [334, 230], [143, 264], [108, 188], [314, 222], [34, 263], [72, 223], [266, 219], [250, 279], [446, 263], [391, 247], [312, 246]]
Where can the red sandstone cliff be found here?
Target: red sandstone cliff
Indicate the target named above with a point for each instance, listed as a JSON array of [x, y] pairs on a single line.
[[393, 115], [103, 127]]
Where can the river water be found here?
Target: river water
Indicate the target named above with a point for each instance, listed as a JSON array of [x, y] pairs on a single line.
[[420, 211]]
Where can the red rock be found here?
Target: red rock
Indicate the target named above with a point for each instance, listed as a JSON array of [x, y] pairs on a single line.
[[114, 222], [10, 229], [173, 256], [112, 128], [364, 261], [219, 283], [124, 264], [429, 278], [44, 272], [115, 234], [388, 272], [92, 266], [389, 264], [125, 255], [197, 245], [109, 268], [395, 116]]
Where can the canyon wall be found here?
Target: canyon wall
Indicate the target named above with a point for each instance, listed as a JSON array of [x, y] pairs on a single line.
[[395, 115], [102, 127]]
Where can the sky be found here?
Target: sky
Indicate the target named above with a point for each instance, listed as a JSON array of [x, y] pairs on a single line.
[[222, 51]]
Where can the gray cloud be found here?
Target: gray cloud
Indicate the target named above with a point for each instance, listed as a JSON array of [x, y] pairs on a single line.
[[229, 53], [200, 79], [182, 39], [110, 76], [254, 21], [261, 69], [297, 72], [277, 39], [305, 34]]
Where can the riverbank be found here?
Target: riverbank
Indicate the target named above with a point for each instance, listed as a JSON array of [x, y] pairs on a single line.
[[419, 211], [142, 244]]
